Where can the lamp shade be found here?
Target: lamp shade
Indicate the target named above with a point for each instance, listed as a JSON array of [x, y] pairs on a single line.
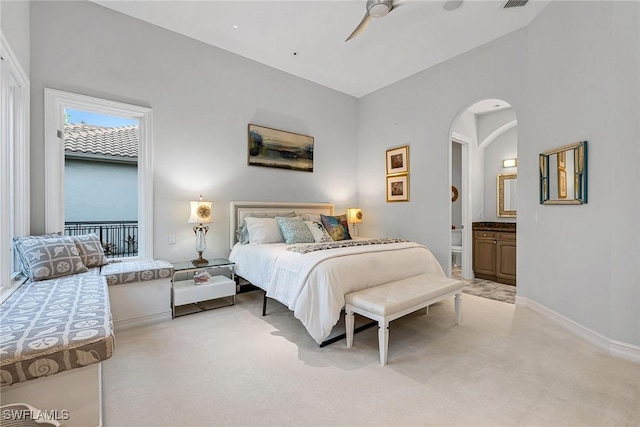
[[354, 215], [200, 212]]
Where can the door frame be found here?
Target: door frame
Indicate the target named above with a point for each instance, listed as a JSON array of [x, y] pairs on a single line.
[[465, 196]]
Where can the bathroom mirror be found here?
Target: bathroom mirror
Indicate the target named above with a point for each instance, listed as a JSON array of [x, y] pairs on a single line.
[[563, 175], [507, 201]]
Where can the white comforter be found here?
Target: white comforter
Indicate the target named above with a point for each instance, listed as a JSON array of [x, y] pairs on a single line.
[[313, 285]]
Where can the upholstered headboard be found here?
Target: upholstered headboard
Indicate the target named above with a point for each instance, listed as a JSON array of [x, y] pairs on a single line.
[[240, 210]]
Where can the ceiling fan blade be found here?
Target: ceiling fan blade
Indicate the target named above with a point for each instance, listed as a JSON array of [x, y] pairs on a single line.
[[363, 24], [397, 3]]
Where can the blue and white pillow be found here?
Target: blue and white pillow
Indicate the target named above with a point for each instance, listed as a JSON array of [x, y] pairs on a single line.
[[294, 230]]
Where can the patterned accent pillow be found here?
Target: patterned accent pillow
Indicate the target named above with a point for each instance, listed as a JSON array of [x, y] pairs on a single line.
[[17, 244], [90, 250], [294, 230], [318, 231], [336, 226], [50, 257]]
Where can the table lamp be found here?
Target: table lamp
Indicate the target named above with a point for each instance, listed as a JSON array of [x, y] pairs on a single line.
[[354, 216], [200, 214]]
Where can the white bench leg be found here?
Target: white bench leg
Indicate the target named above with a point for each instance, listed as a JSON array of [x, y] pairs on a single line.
[[349, 323], [458, 301], [383, 341]]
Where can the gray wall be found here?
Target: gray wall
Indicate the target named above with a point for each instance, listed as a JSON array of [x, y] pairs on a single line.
[[202, 98], [14, 21], [583, 84], [115, 183], [573, 75], [503, 147]]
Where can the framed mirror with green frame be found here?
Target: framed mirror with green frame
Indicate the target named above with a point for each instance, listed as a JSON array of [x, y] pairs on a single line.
[[563, 175]]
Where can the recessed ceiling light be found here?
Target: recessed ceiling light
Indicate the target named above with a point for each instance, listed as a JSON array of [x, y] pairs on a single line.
[[235, 27]]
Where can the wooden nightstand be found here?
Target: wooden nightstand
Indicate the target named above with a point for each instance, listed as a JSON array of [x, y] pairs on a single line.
[[187, 297]]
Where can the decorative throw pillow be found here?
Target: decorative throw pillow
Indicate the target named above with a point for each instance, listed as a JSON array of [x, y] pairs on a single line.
[[318, 231], [51, 257], [18, 244], [294, 230], [90, 250], [263, 230], [242, 233], [336, 226]]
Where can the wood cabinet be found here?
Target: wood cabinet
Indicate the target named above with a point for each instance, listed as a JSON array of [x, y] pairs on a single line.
[[494, 252]]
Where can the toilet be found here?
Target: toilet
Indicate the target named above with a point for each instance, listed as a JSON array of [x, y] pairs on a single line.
[[456, 246]]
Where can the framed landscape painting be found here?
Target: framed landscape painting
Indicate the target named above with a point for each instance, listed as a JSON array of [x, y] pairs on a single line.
[[398, 160], [398, 188], [279, 149]]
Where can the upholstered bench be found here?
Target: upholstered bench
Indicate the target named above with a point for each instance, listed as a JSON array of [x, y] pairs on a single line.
[[55, 335], [393, 300]]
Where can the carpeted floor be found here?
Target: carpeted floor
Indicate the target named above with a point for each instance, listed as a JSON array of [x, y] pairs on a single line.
[[505, 365]]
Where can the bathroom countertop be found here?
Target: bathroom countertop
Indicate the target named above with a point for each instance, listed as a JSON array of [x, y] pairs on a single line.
[[494, 226]]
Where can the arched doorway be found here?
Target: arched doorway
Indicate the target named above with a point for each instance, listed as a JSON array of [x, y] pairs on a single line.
[[482, 136]]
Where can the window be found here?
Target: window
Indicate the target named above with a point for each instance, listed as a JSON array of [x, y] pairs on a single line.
[[101, 157], [14, 163], [58, 106]]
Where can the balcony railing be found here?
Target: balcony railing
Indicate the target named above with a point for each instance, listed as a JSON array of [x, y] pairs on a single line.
[[119, 238]]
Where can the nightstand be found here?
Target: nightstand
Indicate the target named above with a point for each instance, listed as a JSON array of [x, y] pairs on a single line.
[[192, 297]]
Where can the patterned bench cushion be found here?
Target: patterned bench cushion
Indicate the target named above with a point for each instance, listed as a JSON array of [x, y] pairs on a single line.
[[54, 325], [118, 273]]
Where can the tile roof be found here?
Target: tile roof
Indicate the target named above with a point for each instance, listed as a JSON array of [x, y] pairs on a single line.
[[108, 141]]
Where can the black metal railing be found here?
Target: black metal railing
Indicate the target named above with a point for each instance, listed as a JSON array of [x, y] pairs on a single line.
[[119, 238]]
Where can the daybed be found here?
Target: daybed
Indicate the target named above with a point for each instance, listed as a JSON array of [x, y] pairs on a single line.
[[314, 284], [61, 322]]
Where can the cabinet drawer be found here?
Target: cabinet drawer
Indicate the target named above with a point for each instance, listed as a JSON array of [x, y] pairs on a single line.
[[485, 234], [507, 237]]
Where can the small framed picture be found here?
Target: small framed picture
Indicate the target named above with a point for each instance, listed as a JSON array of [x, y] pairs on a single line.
[[398, 188], [398, 160]]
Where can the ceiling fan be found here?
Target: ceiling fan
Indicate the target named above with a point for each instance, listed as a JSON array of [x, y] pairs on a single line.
[[380, 8], [375, 9]]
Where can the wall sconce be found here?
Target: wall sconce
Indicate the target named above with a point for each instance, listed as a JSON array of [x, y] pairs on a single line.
[[510, 163], [354, 216], [200, 214]]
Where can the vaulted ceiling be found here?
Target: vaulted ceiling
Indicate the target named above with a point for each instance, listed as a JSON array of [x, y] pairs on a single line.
[[306, 38]]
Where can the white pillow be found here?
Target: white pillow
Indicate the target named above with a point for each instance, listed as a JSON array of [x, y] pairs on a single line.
[[263, 230], [318, 231], [311, 217]]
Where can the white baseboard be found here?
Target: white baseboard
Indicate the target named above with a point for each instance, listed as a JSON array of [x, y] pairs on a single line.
[[615, 348], [147, 319]]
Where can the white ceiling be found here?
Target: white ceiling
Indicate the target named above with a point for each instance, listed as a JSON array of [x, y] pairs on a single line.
[[411, 38]]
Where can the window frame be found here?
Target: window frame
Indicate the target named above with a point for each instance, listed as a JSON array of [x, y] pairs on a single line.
[[56, 102], [14, 164]]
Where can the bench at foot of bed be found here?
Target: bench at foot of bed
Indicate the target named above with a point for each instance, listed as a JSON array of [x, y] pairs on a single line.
[[393, 300]]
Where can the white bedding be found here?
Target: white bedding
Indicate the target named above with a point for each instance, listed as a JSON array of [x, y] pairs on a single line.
[[313, 285]]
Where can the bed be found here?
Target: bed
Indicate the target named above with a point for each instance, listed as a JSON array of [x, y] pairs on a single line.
[[311, 279]]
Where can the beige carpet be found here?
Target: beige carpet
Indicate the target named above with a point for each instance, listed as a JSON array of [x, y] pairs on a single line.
[[504, 366]]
